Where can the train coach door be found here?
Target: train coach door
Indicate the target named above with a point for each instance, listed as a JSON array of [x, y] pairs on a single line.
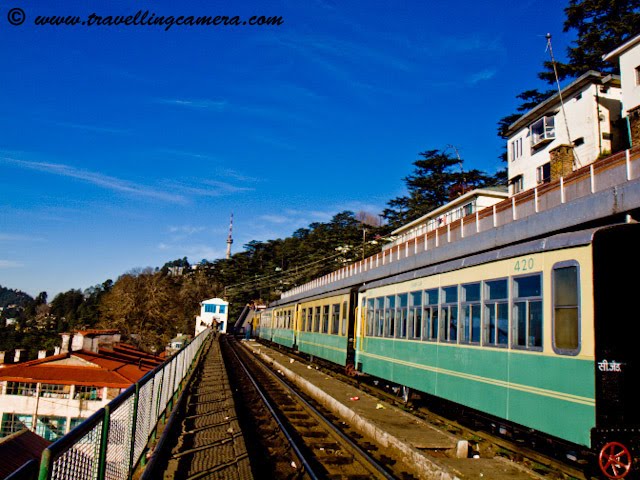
[[617, 333], [351, 329]]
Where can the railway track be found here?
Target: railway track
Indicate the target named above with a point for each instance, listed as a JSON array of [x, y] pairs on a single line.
[[294, 438], [484, 436]]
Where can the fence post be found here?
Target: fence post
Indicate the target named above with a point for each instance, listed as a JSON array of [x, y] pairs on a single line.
[[134, 420], [45, 465], [104, 440]]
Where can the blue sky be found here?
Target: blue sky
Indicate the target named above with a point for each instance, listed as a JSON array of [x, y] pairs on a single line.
[[129, 146]]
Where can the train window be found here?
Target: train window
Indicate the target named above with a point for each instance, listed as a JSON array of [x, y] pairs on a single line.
[[310, 319], [471, 313], [344, 318], [379, 317], [389, 315], [449, 314], [316, 320], [566, 308], [303, 318], [430, 317], [325, 319], [335, 319], [527, 312], [370, 317], [401, 316], [415, 315], [496, 313]]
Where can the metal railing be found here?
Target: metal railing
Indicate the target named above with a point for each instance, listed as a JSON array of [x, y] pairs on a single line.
[[115, 440], [599, 176]]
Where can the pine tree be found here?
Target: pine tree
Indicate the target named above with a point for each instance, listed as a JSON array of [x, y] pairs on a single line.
[[438, 177]]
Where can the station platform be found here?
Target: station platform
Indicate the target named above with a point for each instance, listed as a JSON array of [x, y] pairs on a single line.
[[432, 453]]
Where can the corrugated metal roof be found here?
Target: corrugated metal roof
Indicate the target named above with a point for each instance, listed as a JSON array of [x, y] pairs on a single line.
[[18, 448], [117, 368]]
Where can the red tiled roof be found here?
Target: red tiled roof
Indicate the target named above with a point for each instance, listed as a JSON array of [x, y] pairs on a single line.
[[107, 368], [18, 449]]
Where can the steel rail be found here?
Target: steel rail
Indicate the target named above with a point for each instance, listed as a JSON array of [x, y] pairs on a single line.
[[350, 443], [301, 456]]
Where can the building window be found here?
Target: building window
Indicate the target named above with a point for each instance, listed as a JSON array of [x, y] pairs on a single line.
[[74, 422], [566, 308], [517, 184], [496, 313], [51, 428], [527, 312], [638, 75], [542, 131], [543, 173], [84, 392], [22, 389], [223, 308], [55, 391], [471, 312], [516, 149], [14, 422], [209, 308], [449, 314]]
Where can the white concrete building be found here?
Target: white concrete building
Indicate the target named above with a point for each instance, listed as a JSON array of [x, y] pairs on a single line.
[[214, 309], [628, 56], [557, 137], [467, 204], [52, 395]]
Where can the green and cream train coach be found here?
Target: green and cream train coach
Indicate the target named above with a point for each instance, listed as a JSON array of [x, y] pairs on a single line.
[[541, 334]]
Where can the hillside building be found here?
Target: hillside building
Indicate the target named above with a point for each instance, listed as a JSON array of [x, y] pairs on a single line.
[[628, 56], [52, 395], [466, 204], [567, 131], [212, 310]]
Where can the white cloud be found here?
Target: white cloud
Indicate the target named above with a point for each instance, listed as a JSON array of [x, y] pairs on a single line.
[[10, 264], [95, 178], [10, 237]]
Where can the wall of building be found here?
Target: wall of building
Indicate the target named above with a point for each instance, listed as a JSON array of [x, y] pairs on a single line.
[[206, 318], [629, 61], [68, 408], [591, 112]]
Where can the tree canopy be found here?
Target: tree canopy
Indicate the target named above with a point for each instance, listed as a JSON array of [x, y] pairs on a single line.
[[438, 177]]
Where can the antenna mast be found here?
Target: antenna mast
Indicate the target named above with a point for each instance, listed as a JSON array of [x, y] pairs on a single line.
[[230, 238], [576, 160]]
